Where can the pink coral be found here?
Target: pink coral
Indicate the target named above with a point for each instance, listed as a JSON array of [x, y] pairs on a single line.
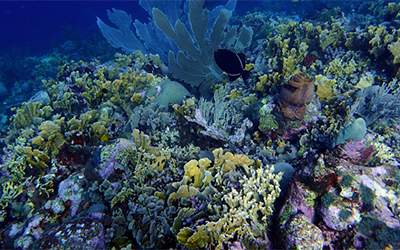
[[352, 150], [357, 152]]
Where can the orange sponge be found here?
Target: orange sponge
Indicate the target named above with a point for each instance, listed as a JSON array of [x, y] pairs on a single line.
[[295, 95]]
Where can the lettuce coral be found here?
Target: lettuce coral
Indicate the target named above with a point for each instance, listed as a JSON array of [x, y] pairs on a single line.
[[228, 161], [325, 87], [31, 113], [394, 48]]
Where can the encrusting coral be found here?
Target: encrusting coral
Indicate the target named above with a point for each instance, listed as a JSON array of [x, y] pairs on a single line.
[[295, 94]]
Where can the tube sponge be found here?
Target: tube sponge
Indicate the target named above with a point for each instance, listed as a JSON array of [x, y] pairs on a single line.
[[295, 94]]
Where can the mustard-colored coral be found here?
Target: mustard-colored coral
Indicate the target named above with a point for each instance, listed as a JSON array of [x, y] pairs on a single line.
[[99, 132], [30, 113], [287, 49], [33, 158], [228, 161], [186, 109], [266, 81], [197, 170], [9, 192], [50, 137], [333, 35], [365, 81], [235, 94], [194, 238], [258, 193], [340, 68], [184, 191], [325, 87], [395, 49], [253, 202], [379, 38]]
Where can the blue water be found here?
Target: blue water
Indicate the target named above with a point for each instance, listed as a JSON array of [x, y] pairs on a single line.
[[35, 27], [32, 30]]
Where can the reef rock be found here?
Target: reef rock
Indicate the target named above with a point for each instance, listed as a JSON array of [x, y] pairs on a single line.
[[83, 233], [342, 205]]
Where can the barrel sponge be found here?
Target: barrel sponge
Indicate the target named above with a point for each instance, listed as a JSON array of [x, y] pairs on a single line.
[[295, 94]]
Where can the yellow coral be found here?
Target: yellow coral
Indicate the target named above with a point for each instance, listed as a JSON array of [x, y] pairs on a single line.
[[186, 109], [326, 39], [10, 191], [34, 158], [383, 152], [196, 170], [184, 191], [99, 132], [293, 58], [325, 87], [379, 38], [365, 81], [253, 202], [394, 9], [142, 140], [262, 83], [395, 49], [235, 94], [340, 68], [30, 113], [121, 196], [84, 121], [228, 161], [51, 138], [268, 80], [194, 238]]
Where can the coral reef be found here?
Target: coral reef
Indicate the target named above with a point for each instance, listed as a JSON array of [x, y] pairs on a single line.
[[346, 216], [220, 119], [131, 154]]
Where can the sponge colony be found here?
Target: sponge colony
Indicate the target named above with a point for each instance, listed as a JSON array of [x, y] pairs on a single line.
[[171, 92], [295, 95]]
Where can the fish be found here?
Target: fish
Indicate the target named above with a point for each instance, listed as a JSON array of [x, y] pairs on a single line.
[[231, 63]]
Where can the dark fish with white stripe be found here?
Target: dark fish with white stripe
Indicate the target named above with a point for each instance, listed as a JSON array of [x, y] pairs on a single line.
[[231, 63]]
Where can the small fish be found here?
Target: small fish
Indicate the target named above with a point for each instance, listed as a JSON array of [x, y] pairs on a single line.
[[231, 63]]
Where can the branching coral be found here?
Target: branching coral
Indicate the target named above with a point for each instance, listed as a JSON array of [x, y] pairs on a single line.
[[247, 217], [325, 87], [395, 49], [290, 46], [331, 36], [216, 117], [50, 137]]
